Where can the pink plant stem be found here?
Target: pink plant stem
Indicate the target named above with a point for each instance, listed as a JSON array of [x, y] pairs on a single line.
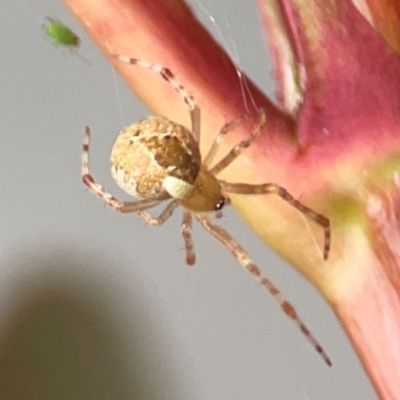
[[328, 150], [371, 319]]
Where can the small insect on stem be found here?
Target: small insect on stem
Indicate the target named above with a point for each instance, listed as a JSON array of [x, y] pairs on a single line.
[[61, 35], [157, 159]]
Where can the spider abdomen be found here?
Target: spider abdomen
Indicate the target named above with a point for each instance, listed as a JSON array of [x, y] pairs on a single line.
[[151, 150]]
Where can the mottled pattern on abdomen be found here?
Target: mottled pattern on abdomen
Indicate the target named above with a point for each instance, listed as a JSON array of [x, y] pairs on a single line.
[[148, 151]]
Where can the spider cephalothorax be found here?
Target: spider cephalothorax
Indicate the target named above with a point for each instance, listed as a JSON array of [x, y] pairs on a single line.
[[157, 159]]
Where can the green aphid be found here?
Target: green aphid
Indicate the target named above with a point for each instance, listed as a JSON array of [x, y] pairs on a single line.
[[60, 34]]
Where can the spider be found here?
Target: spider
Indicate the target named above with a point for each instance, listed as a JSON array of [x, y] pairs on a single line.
[[157, 159]]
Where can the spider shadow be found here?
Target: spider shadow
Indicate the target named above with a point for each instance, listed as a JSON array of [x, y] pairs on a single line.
[[59, 340]]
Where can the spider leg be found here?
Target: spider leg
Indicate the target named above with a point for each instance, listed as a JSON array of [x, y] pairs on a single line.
[[271, 188], [244, 260], [167, 75], [164, 216], [101, 192], [228, 127], [244, 144], [186, 229]]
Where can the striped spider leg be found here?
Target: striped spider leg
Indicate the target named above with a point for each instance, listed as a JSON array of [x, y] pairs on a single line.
[[157, 159]]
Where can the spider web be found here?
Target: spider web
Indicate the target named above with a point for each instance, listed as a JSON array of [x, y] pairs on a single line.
[[226, 24]]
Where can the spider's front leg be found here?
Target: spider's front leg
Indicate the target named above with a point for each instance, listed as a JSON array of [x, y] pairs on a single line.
[[228, 127], [100, 191], [245, 261], [244, 144], [271, 188]]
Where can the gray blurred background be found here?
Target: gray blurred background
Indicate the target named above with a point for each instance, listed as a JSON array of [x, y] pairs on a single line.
[[97, 305]]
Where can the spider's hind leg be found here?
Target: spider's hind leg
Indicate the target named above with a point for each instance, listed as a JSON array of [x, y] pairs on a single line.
[[100, 191], [186, 229], [163, 217], [167, 75]]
